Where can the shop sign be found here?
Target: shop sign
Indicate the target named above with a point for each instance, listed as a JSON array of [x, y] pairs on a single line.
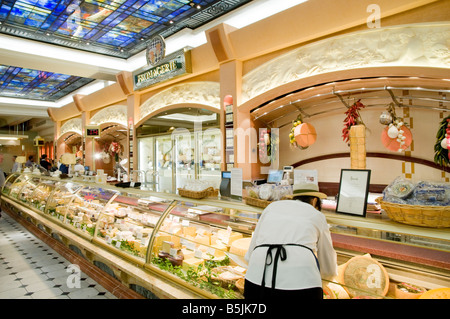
[[174, 65]]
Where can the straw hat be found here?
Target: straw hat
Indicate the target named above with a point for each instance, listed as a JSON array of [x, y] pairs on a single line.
[[306, 189]]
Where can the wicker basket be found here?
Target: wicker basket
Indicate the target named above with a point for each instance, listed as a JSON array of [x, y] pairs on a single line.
[[209, 192], [426, 216], [257, 202]]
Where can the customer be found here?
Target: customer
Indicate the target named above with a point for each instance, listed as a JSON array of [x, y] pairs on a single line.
[[282, 253], [79, 167], [2, 174], [44, 162], [30, 161], [16, 165]]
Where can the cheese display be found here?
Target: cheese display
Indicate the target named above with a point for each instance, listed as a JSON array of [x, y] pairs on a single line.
[[185, 243]]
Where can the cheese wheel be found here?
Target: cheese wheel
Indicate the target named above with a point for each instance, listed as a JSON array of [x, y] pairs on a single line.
[[438, 293], [366, 275], [240, 246]]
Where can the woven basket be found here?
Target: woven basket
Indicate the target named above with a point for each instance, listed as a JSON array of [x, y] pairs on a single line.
[[210, 191], [257, 202], [426, 216]]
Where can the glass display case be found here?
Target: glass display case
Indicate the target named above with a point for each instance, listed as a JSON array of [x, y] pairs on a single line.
[[203, 245], [200, 243], [42, 191], [58, 202], [8, 183], [127, 224], [84, 209], [14, 188], [26, 192]]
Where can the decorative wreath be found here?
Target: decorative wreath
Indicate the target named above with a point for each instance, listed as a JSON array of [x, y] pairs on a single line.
[[442, 145]]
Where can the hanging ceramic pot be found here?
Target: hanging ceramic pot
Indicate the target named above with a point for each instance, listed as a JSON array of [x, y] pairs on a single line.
[[305, 134], [386, 118]]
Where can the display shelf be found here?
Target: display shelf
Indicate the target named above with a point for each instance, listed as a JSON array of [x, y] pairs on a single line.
[[379, 226]]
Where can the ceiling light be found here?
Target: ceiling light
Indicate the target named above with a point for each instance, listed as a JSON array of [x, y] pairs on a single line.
[[12, 137], [199, 6]]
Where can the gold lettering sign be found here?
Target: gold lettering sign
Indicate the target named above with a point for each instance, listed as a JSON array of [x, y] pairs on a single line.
[[174, 65]]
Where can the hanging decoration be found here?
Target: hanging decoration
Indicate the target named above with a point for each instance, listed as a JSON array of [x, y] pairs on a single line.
[[267, 145], [115, 149], [353, 118], [396, 136], [302, 135], [442, 146]]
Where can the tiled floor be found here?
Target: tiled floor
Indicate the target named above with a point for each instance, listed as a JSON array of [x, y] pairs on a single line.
[[30, 269]]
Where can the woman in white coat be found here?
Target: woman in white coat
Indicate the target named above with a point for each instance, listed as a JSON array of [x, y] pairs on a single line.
[[291, 249]]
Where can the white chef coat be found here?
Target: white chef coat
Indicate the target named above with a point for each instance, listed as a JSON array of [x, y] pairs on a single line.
[[292, 222]]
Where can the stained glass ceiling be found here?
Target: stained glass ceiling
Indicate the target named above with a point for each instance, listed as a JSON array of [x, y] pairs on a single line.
[[30, 84], [116, 28]]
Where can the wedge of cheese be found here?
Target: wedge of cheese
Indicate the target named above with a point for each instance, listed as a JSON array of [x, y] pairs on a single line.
[[192, 262], [189, 231], [157, 243]]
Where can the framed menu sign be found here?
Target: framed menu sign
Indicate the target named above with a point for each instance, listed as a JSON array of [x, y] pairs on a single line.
[[353, 192]]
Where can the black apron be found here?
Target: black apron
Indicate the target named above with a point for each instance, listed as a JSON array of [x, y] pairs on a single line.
[[279, 254]]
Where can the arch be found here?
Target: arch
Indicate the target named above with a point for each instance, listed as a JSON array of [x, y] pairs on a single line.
[[71, 126], [112, 114], [205, 93], [422, 45], [175, 106]]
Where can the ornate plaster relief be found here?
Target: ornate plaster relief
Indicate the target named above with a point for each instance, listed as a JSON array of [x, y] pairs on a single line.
[[407, 45], [207, 93], [72, 125], [111, 114]]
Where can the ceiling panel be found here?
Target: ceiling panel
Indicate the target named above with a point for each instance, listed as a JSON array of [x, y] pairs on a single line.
[[118, 28], [16, 82]]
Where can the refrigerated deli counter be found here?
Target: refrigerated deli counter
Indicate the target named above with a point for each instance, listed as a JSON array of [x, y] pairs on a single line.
[[167, 246]]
